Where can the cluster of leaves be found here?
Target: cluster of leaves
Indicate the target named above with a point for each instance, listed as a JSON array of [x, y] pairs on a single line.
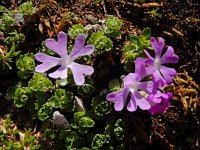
[[135, 48], [10, 35], [76, 30], [82, 135], [11, 19], [101, 39], [34, 96], [26, 65], [12, 138]]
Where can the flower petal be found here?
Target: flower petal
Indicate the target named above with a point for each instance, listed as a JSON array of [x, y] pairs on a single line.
[[132, 105], [137, 100], [119, 103], [169, 95], [84, 69], [159, 101], [160, 107], [48, 62], [42, 57], [62, 38], [112, 97], [78, 77], [60, 73], [155, 97], [149, 60], [45, 66], [169, 56], [167, 74], [150, 69], [157, 45], [87, 50], [78, 71], [156, 100], [121, 100], [158, 79], [59, 47], [141, 101], [130, 79], [147, 86], [79, 49], [140, 68]]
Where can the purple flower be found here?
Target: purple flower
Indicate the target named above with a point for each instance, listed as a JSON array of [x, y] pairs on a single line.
[[161, 74], [159, 102], [132, 84], [65, 61]]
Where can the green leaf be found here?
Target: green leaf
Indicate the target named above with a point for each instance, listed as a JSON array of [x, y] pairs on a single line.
[[77, 116], [45, 111], [98, 141], [22, 94], [62, 99], [7, 22], [101, 42], [99, 98], [26, 62], [27, 8], [133, 39], [102, 109], [82, 122], [12, 50], [86, 122], [75, 30], [2, 9], [86, 90], [119, 129], [112, 26], [39, 103], [72, 140], [26, 65], [14, 54], [147, 33], [14, 37], [40, 83]]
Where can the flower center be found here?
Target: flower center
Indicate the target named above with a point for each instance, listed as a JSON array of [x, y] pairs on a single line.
[[144, 94], [157, 63], [66, 61], [133, 87]]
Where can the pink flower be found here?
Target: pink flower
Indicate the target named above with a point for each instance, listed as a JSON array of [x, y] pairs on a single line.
[[159, 102], [161, 74], [132, 85], [65, 61]]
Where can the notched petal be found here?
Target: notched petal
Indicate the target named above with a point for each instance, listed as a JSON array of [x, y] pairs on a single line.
[[78, 45], [141, 101], [167, 74], [130, 78], [42, 57], [62, 38], [132, 105], [157, 46], [59, 47], [169, 56], [86, 50], [45, 66], [60, 73]]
